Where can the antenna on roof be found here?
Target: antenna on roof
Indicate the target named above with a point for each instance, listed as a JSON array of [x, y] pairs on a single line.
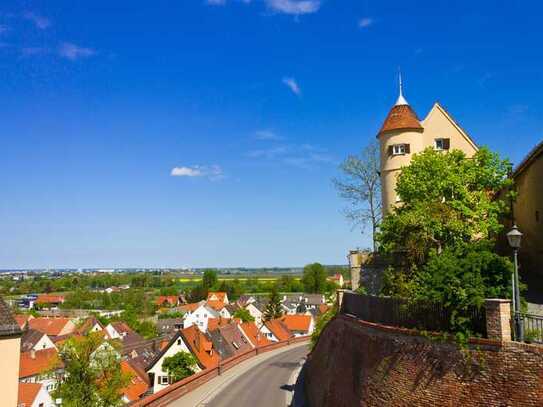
[[401, 100]]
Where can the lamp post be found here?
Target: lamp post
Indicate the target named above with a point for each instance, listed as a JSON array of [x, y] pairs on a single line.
[[514, 237]]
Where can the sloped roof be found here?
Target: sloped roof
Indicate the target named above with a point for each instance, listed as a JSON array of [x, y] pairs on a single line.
[[190, 307], [8, 325], [278, 329], [29, 339], [229, 340], [530, 157], [401, 117], [49, 299], [50, 326], [219, 295], [297, 322], [22, 319], [42, 361], [216, 305], [251, 331], [170, 299], [28, 393], [214, 323], [201, 346], [88, 324], [137, 386]]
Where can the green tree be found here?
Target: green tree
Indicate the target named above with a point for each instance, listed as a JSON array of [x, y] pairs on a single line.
[[447, 199], [360, 185], [93, 373], [273, 308], [209, 279], [180, 365], [314, 278], [322, 321], [244, 315]]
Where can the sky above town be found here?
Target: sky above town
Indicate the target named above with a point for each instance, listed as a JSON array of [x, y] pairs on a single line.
[[206, 133]]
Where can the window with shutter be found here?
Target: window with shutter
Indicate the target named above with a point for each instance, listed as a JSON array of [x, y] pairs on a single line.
[[407, 148], [390, 150], [446, 143]]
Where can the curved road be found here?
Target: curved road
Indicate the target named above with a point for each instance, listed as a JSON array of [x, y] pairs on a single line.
[[266, 380]]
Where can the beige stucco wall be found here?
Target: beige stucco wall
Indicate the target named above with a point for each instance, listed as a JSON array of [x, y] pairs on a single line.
[[437, 124], [529, 186], [9, 373]]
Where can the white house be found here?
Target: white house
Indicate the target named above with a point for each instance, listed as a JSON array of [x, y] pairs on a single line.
[[35, 367], [34, 395], [200, 316], [158, 377], [255, 313], [35, 340]]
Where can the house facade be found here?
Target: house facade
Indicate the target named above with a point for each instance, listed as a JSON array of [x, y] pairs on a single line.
[[34, 395], [200, 317], [10, 344], [159, 378], [402, 135]]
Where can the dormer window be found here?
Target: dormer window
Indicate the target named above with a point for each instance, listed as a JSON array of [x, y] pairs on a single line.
[[441, 144], [399, 149]]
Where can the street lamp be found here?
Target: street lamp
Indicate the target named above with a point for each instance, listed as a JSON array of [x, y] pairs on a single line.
[[514, 237]]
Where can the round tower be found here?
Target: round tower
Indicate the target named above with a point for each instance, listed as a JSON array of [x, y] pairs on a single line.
[[399, 138]]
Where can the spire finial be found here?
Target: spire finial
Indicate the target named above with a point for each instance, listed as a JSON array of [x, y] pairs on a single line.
[[401, 100]]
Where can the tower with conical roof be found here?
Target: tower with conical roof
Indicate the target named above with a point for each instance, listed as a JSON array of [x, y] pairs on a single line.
[[403, 134]]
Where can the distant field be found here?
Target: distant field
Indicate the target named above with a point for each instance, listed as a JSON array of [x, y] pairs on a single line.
[[239, 278]]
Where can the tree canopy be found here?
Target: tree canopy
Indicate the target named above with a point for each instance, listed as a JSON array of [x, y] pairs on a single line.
[[314, 278], [93, 375], [446, 199], [180, 365], [244, 315], [273, 308]]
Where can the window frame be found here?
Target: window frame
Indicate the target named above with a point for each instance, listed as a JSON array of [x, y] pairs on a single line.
[[398, 149]]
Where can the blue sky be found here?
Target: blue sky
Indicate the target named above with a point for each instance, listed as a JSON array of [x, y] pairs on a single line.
[[251, 105]]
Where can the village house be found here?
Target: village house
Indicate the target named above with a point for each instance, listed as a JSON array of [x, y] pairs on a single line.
[[254, 334], [199, 315], [201, 346], [42, 366], [121, 330], [10, 344], [56, 326], [34, 395], [159, 378], [276, 331], [169, 325], [229, 340], [22, 320], [89, 325], [48, 301], [220, 296], [138, 385], [299, 325], [35, 340], [167, 301]]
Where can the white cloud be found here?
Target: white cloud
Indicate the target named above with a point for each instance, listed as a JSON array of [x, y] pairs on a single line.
[[39, 21], [365, 22], [216, 2], [72, 51], [295, 7], [267, 135], [293, 85], [212, 172]]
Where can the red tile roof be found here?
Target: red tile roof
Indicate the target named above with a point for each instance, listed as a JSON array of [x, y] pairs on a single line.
[[214, 323], [201, 346], [28, 393], [167, 299], [137, 386], [49, 326], [216, 305], [297, 322], [251, 331], [22, 319], [401, 117], [49, 299], [190, 307], [278, 329], [219, 295], [42, 361]]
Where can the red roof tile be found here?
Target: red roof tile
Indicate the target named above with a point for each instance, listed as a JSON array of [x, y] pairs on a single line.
[[28, 393], [251, 331], [401, 117], [137, 386], [42, 361], [201, 346], [49, 326], [167, 299], [297, 322], [49, 299], [219, 295], [278, 329]]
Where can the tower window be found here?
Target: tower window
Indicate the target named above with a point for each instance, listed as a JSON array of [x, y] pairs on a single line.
[[398, 149], [442, 144]]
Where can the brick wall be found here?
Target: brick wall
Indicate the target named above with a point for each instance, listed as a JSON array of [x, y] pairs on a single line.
[[357, 363]]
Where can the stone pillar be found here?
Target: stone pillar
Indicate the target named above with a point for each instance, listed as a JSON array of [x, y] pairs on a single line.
[[498, 319], [355, 264]]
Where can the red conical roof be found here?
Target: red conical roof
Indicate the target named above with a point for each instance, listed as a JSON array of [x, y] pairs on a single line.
[[401, 117]]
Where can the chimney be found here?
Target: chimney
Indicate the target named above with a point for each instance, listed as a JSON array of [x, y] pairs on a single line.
[[32, 354]]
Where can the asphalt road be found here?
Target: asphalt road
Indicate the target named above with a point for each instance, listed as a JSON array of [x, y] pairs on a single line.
[[268, 382]]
